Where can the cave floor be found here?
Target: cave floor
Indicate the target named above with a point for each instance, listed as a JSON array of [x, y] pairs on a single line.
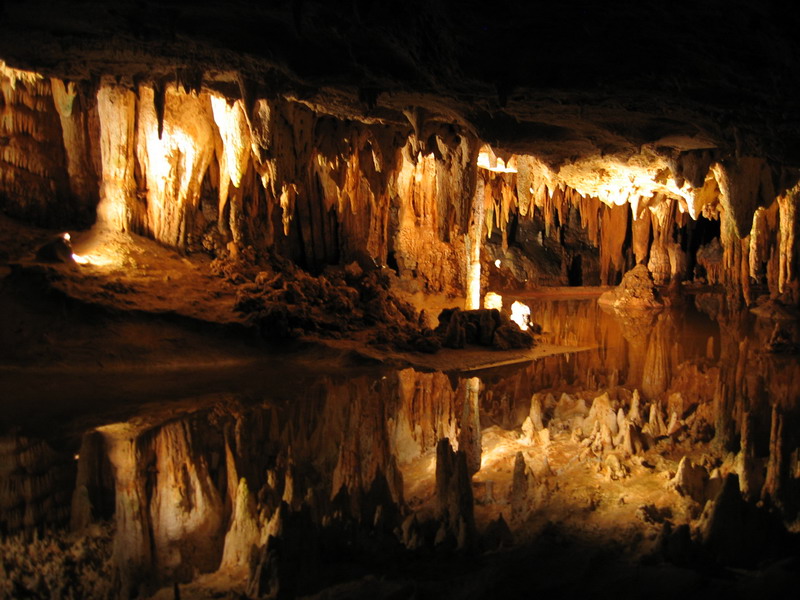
[[136, 304]]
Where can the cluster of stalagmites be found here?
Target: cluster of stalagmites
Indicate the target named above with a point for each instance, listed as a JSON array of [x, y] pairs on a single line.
[[284, 302], [739, 502], [58, 565]]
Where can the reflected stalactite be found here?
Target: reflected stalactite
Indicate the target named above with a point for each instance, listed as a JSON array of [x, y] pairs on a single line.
[[422, 460], [132, 548], [469, 439]]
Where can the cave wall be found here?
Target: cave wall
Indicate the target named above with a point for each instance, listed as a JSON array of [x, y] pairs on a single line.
[[198, 171]]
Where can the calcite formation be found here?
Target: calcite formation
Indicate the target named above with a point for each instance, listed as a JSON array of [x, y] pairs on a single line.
[[229, 228], [201, 171]]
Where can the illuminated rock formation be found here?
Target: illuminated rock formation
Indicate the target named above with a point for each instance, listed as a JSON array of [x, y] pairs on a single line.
[[261, 201]]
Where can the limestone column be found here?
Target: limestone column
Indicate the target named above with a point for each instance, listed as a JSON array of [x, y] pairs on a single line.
[[474, 239]]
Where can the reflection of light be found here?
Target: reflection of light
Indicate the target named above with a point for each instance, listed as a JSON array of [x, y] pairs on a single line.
[[497, 263], [520, 314], [492, 300]]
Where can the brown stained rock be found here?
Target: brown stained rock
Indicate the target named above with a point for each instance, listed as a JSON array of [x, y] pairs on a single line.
[[602, 412], [636, 290], [59, 249], [455, 335], [509, 337], [570, 408], [615, 468], [484, 327], [691, 480]]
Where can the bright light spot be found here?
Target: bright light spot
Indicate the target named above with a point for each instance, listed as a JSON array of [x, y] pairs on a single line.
[[521, 315], [497, 165], [493, 455], [91, 259], [497, 263], [66, 236], [77, 456], [492, 300]]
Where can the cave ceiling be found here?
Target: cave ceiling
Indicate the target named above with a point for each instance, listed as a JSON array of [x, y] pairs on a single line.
[[563, 81]]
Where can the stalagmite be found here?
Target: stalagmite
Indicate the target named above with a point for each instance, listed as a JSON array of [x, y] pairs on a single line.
[[535, 413], [518, 495], [634, 416], [601, 413], [748, 467]]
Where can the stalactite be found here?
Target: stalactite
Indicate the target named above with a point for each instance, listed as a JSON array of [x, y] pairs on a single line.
[[116, 107], [33, 169], [475, 239], [613, 227], [640, 227], [77, 144], [663, 219], [743, 184], [236, 145], [787, 274], [174, 165], [426, 414]]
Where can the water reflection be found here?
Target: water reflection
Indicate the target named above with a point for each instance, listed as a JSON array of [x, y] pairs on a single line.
[[351, 466]]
